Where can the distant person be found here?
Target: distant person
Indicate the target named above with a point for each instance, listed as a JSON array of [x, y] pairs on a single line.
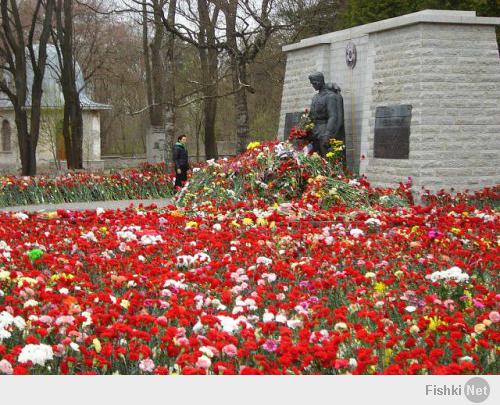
[[180, 161]]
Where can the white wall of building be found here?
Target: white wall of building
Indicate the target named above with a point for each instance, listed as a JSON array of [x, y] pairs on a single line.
[[46, 149]]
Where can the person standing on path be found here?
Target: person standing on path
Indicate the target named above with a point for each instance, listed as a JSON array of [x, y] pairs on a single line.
[[180, 161]]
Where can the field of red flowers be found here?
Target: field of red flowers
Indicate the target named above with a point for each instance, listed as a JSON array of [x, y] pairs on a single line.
[[251, 288]]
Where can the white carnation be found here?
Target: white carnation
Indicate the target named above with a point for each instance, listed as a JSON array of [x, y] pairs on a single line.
[[453, 273], [37, 354]]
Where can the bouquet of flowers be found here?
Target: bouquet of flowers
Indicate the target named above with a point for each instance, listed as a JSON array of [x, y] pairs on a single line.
[[303, 128]]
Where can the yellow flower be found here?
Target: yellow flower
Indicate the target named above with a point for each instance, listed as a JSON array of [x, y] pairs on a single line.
[[398, 273], [247, 221], [330, 154], [125, 304], [192, 224], [272, 225], [468, 299], [4, 275], [340, 326], [64, 276], [380, 287], [29, 280], [387, 356], [434, 323], [480, 328], [262, 221], [97, 345], [235, 224], [253, 145]]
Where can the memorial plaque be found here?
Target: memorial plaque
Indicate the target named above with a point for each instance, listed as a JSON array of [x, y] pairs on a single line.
[[291, 120], [392, 132]]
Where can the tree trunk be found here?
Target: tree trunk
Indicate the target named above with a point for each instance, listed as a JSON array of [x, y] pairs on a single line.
[[73, 120], [157, 69], [15, 48], [241, 107], [209, 71], [68, 141], [147, 62], [238, 71], [23, 135], [76, 131], [210, 114], [170, 87]]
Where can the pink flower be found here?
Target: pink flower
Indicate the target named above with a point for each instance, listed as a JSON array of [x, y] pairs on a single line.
[[6, 367], [203, 362], [59, 350], [270, 345], [182, 341], [433, 233], [230, 350], [66, 341], [477, 303], [46, 319], [65, 319], [494, 316], [147, 365], [449, 304]]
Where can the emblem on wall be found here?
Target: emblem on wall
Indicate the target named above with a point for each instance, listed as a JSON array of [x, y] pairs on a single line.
[[350, 55]]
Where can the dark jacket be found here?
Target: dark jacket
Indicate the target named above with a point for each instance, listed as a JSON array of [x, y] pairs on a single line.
[[180, 156], [327, 113]]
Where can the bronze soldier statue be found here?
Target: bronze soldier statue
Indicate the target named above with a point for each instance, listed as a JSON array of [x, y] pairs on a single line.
[[340, 134], [326, 113]]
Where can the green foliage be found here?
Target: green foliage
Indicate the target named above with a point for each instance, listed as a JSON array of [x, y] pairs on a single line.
[[358, 12], [315, 17], [310, 18]]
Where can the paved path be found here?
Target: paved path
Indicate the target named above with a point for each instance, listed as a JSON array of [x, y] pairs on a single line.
[[81, 206]]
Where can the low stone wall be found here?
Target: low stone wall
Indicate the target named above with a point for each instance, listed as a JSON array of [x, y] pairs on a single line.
[[122, 162]]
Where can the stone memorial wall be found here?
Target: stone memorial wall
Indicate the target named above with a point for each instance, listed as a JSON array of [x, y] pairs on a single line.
[[421, 100]]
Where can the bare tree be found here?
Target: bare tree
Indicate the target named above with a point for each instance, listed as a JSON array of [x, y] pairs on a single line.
[[73, 119], [199, 29], [208, 54], [19, 55], [170, 103], [248, 27], [159, 66], [156, 69]]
